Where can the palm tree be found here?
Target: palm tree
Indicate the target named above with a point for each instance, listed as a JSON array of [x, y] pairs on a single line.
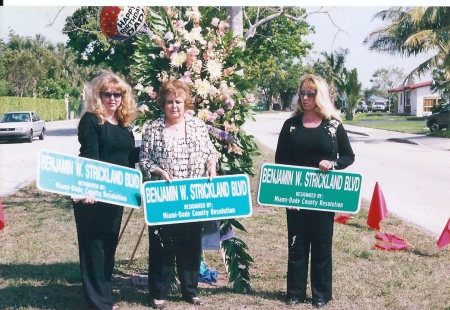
[[415, 30], [331, 69], [352, 90]]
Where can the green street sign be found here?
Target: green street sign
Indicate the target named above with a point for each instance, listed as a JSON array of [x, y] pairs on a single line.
[[78, 176], [309, 188], [197, 199]]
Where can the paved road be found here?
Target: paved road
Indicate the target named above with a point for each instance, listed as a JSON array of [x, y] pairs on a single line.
[[412, 170], [18, 160]]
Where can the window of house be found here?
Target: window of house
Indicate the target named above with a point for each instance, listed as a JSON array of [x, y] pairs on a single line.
[[408, 98], [429, 103]]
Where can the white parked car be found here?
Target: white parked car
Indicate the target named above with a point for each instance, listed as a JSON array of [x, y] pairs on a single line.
[[379, 106], [361, 107], [21, 125]]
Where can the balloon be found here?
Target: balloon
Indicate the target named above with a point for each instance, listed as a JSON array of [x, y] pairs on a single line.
[[120, 23]]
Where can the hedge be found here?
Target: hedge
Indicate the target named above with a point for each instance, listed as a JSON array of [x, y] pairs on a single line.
[[47, 109]]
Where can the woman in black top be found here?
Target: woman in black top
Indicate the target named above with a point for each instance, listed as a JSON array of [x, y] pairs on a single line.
[[313, 137], [105, 134]]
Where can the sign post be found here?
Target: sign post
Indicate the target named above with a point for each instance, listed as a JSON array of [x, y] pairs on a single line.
[[309, 188], [198, 199], [79, 176]]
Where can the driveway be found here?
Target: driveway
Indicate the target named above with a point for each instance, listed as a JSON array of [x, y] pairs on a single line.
[[411, 170]]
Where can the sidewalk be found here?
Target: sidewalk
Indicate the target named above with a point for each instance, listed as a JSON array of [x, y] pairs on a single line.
[[400, 137]]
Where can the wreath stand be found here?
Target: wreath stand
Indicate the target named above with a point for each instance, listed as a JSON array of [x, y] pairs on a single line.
[[138, 240], [140, 237]]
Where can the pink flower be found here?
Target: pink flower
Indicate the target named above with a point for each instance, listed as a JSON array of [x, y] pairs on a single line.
[[213, 90], [150, 92], [168, 36], [170, 12], [186, 78], [249, 99], [142, 108], [190, 112], [229, 102], [229, 70], [215, 21], [234, 149], [174, 47], [193, 50], [180, 24], [220, 111], [221, 28], [212, 116]]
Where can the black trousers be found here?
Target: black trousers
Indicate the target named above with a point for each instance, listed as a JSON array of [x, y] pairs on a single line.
[[98, 228], [167, 243], [310, 231]]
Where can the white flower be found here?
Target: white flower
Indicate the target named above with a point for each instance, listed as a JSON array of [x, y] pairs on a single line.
[[139, 86], [203, 114], [214, 68], [177, 59], [194, 15], [202, 87], [194, 35], [143, 108]]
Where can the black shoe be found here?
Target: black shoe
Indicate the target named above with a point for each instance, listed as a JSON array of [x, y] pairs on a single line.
[[296, 301], [319, 303], [159, 304], [195, 301]]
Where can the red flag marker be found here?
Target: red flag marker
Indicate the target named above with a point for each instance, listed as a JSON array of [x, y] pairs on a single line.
[[2, 217], [444, 239], [342, 218], [378, 210], [394, 242]]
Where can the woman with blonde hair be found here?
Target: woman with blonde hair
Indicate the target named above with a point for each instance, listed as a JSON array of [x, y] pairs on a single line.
[[105, 134], [312, 137]]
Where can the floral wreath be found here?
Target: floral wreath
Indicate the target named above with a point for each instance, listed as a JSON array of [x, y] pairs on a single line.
[[181, 44]]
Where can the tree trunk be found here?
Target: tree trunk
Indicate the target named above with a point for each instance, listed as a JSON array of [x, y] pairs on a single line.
[[236, 20]]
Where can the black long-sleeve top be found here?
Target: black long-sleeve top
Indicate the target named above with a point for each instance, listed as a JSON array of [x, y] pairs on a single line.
[[302, 146], [110, 143]]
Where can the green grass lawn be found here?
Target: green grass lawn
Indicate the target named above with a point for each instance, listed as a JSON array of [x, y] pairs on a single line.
[[386, 121], [39, 261]]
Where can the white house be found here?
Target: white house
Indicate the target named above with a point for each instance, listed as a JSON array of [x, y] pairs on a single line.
[[415, 99]]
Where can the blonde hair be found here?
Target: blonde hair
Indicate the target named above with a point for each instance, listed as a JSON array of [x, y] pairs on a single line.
[[176, 87], [324, 106], [126, 113]]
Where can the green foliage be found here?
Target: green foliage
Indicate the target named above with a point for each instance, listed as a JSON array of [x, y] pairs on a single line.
[[331, 69], [34, 67], [352, 90], [238, 262], [53, 89], [273, 52], [409, 31], [5, 88], [47, 109]]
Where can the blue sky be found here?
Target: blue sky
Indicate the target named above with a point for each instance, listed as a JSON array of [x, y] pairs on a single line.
[[355, 21]]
